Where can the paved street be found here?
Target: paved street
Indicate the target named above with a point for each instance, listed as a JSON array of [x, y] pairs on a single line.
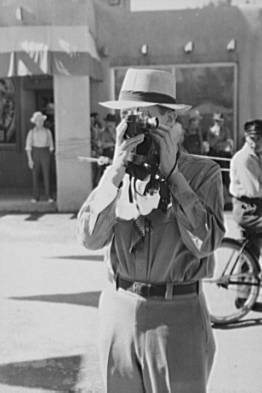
[[49, 291]]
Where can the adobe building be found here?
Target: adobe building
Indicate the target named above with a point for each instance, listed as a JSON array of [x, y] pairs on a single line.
[[63, 57], [48, 60]]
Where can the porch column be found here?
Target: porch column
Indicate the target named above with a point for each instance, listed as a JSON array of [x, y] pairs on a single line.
[[72, 117]]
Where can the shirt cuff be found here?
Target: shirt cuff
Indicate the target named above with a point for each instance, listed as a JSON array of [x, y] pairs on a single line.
[[106, 191]]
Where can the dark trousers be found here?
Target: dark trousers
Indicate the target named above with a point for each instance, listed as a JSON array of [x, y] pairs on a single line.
[[248, 214], [41, 159]]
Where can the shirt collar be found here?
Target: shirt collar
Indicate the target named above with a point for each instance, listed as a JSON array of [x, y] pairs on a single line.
[[249, 150]]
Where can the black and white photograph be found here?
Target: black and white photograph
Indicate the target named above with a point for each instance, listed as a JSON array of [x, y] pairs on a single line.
[[130, 196]]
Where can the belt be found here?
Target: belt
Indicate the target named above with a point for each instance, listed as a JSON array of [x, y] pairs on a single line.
[[148, 290], [245, 199]]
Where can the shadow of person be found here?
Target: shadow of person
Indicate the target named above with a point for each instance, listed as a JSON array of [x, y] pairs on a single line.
[[59, 374], [89, 299]]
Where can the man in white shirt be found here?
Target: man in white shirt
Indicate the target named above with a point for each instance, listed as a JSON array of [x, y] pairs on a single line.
[[246, 189], [39, 146]]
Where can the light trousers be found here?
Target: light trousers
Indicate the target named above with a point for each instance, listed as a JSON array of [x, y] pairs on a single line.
[[154, 345]]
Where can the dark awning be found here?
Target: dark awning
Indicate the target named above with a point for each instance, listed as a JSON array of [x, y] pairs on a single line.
[[38, 50]]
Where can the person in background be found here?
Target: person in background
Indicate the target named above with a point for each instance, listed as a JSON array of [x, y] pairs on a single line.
[[96, 146], [108, 136], [221, 145], [39, 147], [193, 142], [106, 143], [155, 333], [246, 188], [219, 138]]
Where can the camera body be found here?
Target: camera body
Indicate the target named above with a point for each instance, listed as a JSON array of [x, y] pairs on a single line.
[[146, 158]]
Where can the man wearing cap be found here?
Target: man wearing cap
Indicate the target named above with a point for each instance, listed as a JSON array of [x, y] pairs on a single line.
[[39, 146], [246, 178], [155, 334], [193, 142], [246, 188], [218, 137]]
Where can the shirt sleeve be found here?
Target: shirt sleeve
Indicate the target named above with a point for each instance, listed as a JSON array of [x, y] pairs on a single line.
[[200, 212], [97, 215], [29, 141], [50, 141], [248, 176]]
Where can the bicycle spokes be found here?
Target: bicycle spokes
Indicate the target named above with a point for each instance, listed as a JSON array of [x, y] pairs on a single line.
[[235, 277]]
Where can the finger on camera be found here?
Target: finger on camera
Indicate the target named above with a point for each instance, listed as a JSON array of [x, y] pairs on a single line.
[[135, 140], [162, 127], [162, 133], [121, 128], [159, 138]]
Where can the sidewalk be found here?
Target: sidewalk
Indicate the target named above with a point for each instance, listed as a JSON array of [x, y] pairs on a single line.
[[49, 293], [22, 204]]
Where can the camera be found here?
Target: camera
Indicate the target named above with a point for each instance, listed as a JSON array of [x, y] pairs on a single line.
[[146, 158]]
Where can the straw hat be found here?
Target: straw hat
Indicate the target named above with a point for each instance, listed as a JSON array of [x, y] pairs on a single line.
[[195, 115], [218, 117], [147, 87], [37, 115]]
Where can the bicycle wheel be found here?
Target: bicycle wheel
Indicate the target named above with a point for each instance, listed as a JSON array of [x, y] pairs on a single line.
[[235, 277]]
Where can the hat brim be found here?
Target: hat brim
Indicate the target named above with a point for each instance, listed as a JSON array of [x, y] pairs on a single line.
[[180, 108], [33, 119]]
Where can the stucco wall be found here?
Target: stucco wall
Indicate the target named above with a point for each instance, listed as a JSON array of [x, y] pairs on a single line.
[[166, 32], [72, 140]]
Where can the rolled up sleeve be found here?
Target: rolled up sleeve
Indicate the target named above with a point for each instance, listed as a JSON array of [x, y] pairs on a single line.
[[29, 141], [97, 215]]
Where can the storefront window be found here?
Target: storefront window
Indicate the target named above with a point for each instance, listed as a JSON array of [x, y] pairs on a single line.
[[7, 112], [209, 88]]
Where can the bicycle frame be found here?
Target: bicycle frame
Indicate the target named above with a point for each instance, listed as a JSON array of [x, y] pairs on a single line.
[[225, 278]]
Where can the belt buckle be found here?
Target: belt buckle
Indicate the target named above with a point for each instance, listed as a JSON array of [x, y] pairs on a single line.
[[140, 288]]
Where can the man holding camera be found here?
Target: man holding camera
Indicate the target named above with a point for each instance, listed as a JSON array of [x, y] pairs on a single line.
[[161, 214]]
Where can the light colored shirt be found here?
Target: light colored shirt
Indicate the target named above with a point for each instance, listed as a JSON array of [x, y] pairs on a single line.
[[246, 173], [178, 244], [39, 138]]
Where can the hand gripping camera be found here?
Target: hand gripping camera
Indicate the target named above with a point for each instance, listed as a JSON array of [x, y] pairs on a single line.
[[146, 158]]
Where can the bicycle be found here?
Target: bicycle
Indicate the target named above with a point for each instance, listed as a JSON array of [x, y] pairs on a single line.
[[235, 285]]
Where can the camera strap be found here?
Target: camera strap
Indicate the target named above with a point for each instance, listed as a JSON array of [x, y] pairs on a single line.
[[164, 193], [130, 193]]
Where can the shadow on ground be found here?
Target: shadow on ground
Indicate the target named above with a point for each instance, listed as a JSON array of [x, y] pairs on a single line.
[[252, 322], [243, 323], [93, 258], [89, 299], [34, 216], [61, 374]]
